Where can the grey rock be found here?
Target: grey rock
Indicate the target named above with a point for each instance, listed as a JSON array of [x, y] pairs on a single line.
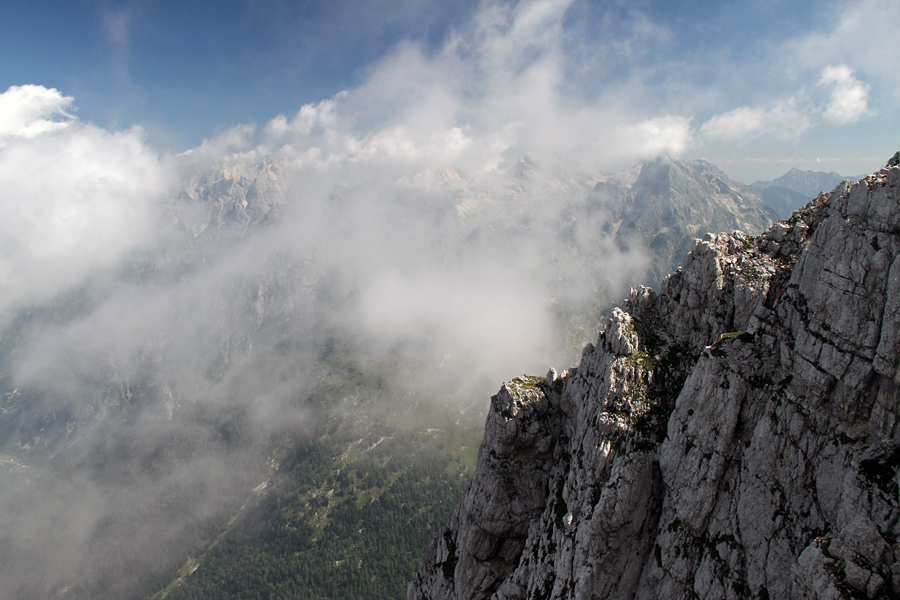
[[733, 435]]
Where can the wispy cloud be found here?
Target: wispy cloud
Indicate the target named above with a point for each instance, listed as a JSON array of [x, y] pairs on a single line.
[[845, 101], [497, 83], [118, 24], [413, 190], [783, 120], [849, 97], [861, 35]]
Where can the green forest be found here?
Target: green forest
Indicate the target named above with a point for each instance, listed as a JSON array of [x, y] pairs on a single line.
[[346, 512]]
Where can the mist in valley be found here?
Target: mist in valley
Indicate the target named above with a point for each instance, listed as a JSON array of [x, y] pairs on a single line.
[[390, 255], [171, 320]]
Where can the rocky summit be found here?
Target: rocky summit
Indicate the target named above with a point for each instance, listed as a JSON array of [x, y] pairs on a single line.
[[733, 435]]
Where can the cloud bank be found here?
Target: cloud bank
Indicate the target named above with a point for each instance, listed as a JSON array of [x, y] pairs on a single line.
[[421, 223], [75, 197], [153, 305]]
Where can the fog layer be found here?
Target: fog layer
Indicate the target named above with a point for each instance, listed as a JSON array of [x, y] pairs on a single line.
[[167, 318]]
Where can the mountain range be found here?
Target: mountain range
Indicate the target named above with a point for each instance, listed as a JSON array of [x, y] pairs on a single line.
[[796, 188], [672, 202], [808, 183]]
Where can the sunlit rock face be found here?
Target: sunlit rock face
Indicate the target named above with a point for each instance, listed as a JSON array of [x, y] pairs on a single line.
[[231, 200], [733, 435]]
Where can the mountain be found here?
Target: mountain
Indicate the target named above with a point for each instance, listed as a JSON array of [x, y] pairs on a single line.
[[783, 201], [235, 197], [670, 203], [795, 189], [733, 435], [808, 183]]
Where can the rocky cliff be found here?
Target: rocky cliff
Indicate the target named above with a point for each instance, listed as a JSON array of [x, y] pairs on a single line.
[[733, 435]]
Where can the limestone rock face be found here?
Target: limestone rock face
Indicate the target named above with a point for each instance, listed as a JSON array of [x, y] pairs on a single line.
[[231, 199], [734, 435]]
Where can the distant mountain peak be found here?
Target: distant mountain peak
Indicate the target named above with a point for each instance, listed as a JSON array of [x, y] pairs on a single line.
[[808, 183], [795, 188], [673, 201]]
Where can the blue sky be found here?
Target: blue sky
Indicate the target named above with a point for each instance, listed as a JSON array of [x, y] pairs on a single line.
[[756, 86]]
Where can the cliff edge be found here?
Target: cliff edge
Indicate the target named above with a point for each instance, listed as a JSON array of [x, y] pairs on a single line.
[[734, 435]]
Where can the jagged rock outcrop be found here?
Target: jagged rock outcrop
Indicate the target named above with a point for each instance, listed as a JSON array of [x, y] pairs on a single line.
[[734, 435]]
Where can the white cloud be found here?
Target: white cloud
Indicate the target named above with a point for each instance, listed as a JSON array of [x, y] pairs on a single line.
[[668, 134], [496, 90], [75, 197], [849, 98], [117, 24], [28, 111], [480, 127], [789, 118], [862, 34], [736, 124], [782, 120], [431, 167], [313, 118], [470, 316], [239, 138]]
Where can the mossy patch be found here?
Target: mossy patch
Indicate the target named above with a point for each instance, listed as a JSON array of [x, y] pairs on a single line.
[[740, 335], [717, 348], [524, 383], [643, 360]]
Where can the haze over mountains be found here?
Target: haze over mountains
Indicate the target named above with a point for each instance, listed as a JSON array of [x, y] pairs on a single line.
[[220, 365], [808, 183], [272, 323], [795, 188], [253, 360]]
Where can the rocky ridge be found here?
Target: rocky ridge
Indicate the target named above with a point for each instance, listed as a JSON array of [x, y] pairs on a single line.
[[733, 435]]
